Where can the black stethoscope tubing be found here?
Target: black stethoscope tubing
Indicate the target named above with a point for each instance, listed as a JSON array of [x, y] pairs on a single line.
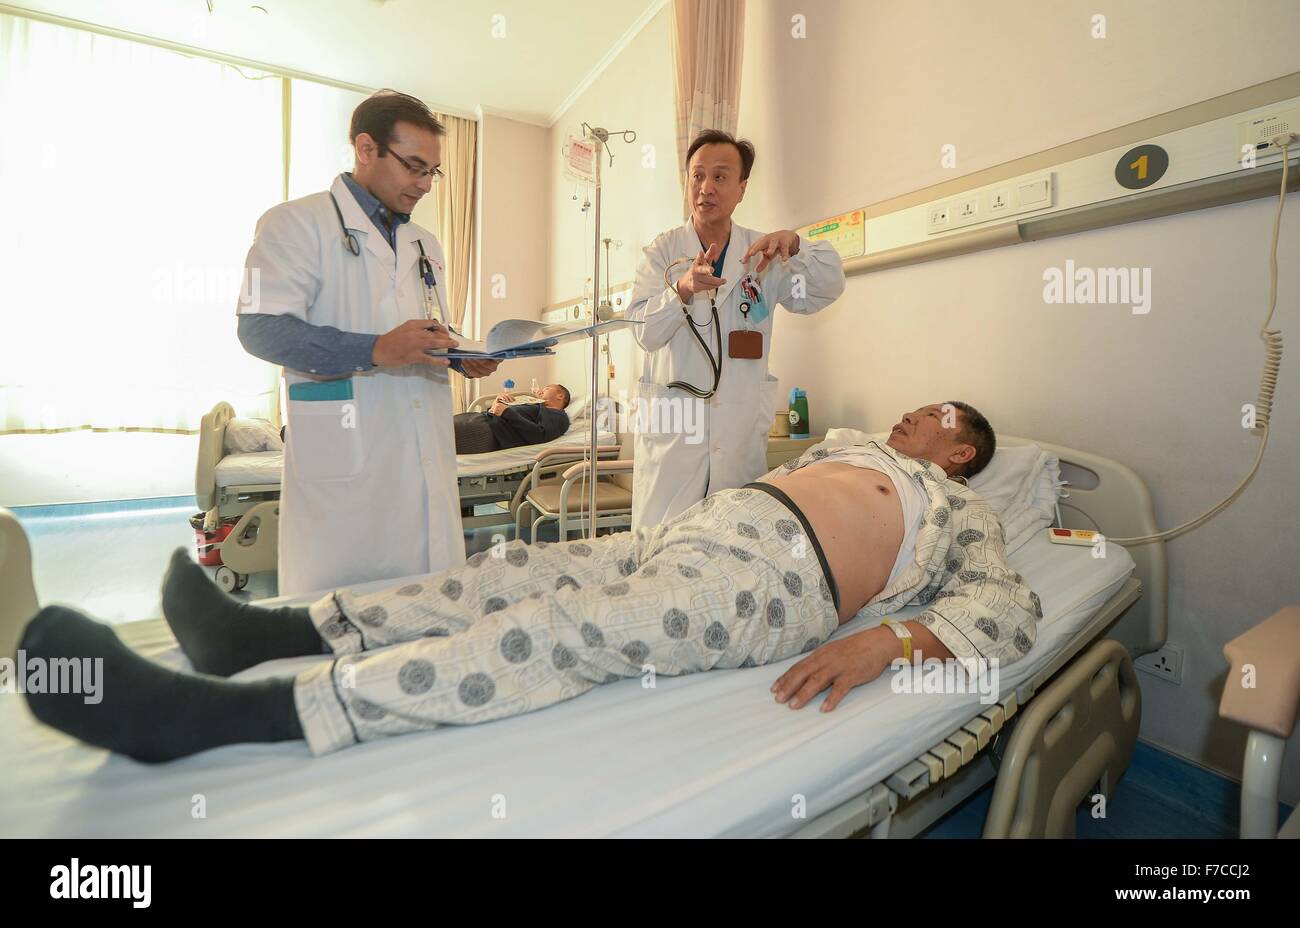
[[715, 362], [350, 243]]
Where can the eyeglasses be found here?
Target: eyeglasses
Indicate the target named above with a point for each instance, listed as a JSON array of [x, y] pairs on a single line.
[[418, 172]]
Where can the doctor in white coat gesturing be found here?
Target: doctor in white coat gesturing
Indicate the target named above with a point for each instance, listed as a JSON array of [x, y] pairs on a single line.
[[347, 295], [720, 442]]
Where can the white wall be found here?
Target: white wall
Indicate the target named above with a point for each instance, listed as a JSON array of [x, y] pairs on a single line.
[[641, 194], [857, 112], [513, 236]]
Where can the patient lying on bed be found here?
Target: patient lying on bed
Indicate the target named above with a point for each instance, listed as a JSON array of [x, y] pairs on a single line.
[[508, 424], [748, 576]]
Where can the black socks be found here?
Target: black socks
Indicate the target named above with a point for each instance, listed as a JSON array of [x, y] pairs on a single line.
[[219, 634], [144, 710]]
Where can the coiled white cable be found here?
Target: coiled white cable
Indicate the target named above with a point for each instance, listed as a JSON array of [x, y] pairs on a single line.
[[1267, 385]]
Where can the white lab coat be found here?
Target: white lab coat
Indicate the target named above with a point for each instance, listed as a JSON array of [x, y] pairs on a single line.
[[369, 488], [724, 442]]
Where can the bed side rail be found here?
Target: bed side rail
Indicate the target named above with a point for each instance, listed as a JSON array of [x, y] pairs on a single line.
[[212, 437]]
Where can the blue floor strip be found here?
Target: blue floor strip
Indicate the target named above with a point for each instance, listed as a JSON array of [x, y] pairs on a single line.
[[151, 504]]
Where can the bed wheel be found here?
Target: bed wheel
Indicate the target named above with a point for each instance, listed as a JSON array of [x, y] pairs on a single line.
[[228, 580], [241, 581]]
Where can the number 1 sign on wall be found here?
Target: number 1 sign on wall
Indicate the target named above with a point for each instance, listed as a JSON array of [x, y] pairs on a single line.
[[1141, 167]]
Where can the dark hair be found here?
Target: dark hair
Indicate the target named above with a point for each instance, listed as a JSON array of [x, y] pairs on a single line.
[[378, 113], [975, 430], [718, 137], [567, 396]]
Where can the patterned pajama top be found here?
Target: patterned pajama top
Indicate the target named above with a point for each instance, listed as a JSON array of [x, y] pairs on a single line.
[[979, 606]]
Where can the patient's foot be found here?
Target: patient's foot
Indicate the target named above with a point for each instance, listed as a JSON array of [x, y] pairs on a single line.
[[219, 634], [133, 706]]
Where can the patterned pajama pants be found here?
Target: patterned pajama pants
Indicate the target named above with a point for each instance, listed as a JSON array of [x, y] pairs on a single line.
[[731, 582]]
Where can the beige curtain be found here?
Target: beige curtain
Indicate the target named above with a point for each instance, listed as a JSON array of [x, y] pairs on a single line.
[[708, 44], [455, 201]]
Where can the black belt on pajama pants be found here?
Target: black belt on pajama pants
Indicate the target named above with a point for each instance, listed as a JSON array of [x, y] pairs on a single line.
[[785, 501]]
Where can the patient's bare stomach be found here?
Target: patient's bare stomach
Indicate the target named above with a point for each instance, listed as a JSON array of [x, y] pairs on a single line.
[[857, 518]]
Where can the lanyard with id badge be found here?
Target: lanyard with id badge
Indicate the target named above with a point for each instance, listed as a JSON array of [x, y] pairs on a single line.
[[747, 343], [742, 344]]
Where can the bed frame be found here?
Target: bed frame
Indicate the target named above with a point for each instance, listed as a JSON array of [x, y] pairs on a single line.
[[251, 547], [1063, 735]]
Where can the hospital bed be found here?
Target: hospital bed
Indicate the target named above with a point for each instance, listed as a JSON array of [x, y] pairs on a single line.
[[246, 486], [701, 755]]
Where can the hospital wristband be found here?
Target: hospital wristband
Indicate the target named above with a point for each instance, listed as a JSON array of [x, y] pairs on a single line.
[[905, 634]]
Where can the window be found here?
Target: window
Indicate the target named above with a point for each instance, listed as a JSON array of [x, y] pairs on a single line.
[[133, 179]]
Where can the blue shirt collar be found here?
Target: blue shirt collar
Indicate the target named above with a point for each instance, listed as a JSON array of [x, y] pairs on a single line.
[[377, 211]]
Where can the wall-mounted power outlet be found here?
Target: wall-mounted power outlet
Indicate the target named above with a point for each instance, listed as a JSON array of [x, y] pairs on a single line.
[[937, 218], [1258, 134], [1167, 664]]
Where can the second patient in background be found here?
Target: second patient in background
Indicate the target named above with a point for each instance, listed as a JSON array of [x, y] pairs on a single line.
[[509, 425]]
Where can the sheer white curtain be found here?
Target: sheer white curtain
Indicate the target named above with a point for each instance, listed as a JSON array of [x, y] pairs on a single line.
[[708, 47], [455, 199], [319, 150], [132, 179]]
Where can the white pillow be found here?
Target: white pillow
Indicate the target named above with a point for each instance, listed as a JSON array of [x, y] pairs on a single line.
[[577, 408], [1009, 477], [244, 436], [1021, 483]]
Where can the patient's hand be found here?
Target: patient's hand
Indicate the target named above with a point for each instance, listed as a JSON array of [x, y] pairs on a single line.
[[840, 665]]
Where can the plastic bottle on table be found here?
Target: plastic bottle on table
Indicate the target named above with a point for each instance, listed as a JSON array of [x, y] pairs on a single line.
[[799, 414]]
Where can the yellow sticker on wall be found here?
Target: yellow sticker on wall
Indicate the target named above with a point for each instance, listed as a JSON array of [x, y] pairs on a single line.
[[847, 233]]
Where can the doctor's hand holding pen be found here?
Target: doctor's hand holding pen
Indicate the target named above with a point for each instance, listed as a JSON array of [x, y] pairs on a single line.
[[408, 343]]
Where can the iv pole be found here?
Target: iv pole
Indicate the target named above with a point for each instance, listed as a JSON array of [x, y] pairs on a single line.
[[601, 136]]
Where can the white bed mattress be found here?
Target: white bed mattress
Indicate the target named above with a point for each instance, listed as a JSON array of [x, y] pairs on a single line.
[[251, 468], [707, 754], [262, 468]]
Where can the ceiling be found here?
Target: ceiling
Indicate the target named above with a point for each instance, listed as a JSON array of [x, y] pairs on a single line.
[[444, 51]]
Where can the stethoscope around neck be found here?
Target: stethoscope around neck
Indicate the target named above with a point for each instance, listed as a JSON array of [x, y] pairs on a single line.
[[426, 266], [749, 290], [350, 240]]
